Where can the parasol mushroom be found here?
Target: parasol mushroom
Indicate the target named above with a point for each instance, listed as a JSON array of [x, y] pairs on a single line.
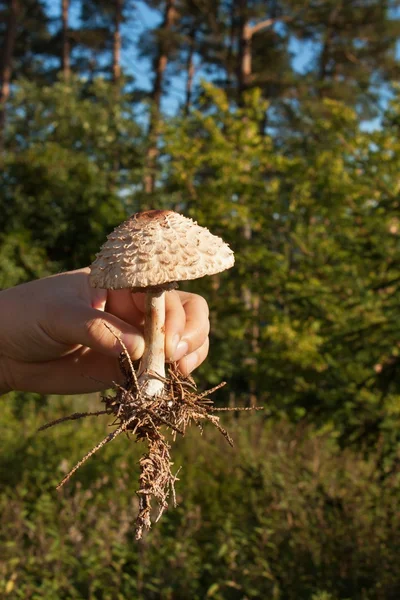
[[150, 253]]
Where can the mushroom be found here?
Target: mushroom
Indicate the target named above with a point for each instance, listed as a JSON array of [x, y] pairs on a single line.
[[149, 253]]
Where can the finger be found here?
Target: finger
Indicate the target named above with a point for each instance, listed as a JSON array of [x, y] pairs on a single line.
[[122, 304], [190, 362], [197, 325], [186, 322], [175, 322], [77, 373], [80, 325]]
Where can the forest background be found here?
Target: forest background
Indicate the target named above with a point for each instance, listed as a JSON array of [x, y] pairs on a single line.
[[276, 124]]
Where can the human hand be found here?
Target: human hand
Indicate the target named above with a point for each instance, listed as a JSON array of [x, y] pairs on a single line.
[[54, 338]]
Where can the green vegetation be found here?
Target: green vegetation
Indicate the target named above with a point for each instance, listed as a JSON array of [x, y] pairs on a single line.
[[306, 323], [283, 515]]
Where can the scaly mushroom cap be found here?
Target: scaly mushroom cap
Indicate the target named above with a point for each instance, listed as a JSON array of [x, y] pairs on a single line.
[[157, 247]]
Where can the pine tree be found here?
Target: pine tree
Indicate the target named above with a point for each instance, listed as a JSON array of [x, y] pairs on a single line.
[[164, 44], [66, 44], [24, 46], [98, 38], [199, 29], [116, 62], [354, 49], [9, 39]]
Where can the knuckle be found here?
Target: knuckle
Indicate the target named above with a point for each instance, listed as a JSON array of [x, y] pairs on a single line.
[[97, 331], [52, 316], [195, 301], [92, 328], [203, 304]]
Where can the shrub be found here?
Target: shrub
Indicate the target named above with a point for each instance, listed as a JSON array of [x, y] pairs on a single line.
[[285, 515]]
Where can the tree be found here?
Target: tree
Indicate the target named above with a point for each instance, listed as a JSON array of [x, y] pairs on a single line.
[[10, 35], [98, 37], [65, 60], [163, 36], [71, 192], [32, 48], [354, 47], [199, 30], [323, 212], [116, 65]]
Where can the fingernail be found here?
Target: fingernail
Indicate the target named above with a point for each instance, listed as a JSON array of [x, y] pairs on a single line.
[[191, 362], [181, 350], [174, 345]]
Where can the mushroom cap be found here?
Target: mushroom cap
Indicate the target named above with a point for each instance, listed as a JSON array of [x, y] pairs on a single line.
[[157, 247]]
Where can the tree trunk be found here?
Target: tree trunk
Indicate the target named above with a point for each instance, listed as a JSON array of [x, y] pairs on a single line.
[[66, 46], [244, 50], [7, 64], [159, 67], [251, 302], [190, 70], [116, 65], [231, 43], [326, 49], [245, 35]]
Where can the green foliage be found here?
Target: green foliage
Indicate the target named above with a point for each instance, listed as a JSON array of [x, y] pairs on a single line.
[[73, 155], [353, 50], [21, 259], [311, 306], [284, 515], [307, 320], [306, 323], [33, 44]]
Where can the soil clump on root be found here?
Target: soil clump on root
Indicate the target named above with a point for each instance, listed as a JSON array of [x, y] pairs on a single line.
[[143, 418]]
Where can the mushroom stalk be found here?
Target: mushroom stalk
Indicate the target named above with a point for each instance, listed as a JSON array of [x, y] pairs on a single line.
[[153, 360]]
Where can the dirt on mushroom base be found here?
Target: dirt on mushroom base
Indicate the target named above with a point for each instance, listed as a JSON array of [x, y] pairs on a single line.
[[137, 415]]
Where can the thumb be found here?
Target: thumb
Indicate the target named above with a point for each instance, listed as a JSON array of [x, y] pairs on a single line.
[[100, 331]]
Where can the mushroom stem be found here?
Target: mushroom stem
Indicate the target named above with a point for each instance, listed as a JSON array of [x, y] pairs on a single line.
[[153, 360]]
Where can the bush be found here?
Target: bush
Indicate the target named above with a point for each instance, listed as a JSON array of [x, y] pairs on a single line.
[[285, 515]]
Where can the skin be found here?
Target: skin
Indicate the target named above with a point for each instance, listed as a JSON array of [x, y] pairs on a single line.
[[54, 339]]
